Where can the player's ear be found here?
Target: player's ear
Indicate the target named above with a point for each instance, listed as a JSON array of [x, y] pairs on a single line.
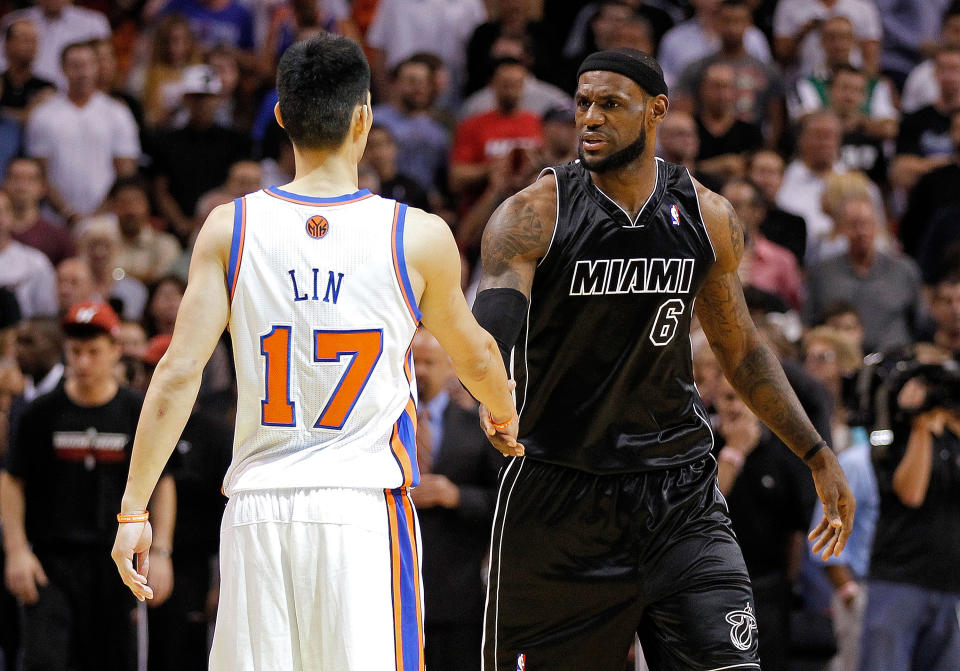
[[658, 108], [276, 114]]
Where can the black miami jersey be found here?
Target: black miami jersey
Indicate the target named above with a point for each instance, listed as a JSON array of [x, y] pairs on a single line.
[[603, 367]]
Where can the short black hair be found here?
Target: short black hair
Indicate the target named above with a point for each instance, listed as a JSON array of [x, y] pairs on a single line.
[[320, 82], [85, 44], [128, 182], [431, 61]]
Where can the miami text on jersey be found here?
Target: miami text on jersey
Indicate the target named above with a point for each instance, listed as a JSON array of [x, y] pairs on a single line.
[[332, 292], [632, 276]]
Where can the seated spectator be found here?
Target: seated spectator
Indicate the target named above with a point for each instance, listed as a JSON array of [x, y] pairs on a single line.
[[144, 252], [287, 19], [20, 88], [537, 96], [481, 139], [679, 143], [945, 310], [818, 157], [921, 88], [724, 139], [216, 22], [84, 138], [765, 170], [559, 136], [765, 265], [699, 37], [924, 141], [634, 33], [172, 48], [132, 338], [758, 86], [24, 270], [107, 78], [933, 193], [180, 179], [244, 177], [597, 21], [97, 243], [796, 33], [885, 287], [410, 117], [381, 155], [511, 20], [59, 24], [842, 317], [813, 90], [75, 284], [39, 356], [26, 187], [942, 237]]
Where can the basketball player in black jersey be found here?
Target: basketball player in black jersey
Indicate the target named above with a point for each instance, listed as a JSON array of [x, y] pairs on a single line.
[[612, 522]]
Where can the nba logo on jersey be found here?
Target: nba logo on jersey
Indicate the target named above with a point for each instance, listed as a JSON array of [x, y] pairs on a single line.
[[521, 662], [674, 215]]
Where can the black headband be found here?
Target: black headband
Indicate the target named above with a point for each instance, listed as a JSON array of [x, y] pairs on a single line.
[[636, 65]]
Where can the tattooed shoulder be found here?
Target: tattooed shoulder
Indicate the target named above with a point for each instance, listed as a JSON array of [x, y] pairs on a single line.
[[521, 228]]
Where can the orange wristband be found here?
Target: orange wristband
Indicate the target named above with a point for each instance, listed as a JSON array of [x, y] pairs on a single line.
[[501, 426], [133, 517]]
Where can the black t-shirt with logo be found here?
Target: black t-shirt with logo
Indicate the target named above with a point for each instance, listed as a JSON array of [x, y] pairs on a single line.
[[74, 460]]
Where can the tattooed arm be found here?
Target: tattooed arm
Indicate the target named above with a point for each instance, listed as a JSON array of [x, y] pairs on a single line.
[[755, 372], [517, 237]]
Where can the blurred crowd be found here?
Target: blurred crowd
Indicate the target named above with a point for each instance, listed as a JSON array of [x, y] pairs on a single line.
[[831, 126]]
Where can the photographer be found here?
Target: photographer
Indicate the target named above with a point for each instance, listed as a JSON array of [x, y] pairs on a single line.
[[914, 591]]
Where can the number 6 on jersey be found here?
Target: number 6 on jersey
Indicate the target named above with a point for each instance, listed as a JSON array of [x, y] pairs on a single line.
[[364, 348]]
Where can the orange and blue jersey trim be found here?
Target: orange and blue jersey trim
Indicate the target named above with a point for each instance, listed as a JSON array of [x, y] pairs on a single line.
[[298, 199], [236, 244], [405, 581], [403, 445], [400, 263]]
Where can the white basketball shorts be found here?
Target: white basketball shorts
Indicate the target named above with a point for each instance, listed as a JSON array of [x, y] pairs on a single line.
[[317, 579]]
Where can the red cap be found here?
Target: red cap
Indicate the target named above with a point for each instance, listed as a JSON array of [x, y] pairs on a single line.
[[95, 315], [155, 349]]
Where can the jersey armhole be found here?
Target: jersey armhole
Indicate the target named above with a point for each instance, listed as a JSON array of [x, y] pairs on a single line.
[[236, 244], [556, 221], [400, 263], [703, 224]]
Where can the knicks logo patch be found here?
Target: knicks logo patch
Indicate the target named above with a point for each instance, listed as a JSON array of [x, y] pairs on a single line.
[[521, 662], [742, 625], [317, 226]]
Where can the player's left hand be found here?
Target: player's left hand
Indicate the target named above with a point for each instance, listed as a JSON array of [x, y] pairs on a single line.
[[435, 490], [831, 534], [161, 577], [133, 539], [505, 441]]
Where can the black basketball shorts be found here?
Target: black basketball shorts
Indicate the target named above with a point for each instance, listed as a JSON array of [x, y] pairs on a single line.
[[580, 562]]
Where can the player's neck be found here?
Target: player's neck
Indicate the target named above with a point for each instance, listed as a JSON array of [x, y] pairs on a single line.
[[630, 186], [324, 174]]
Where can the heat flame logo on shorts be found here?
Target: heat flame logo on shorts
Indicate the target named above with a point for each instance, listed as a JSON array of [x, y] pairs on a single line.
[[742, 625], [317, 226]]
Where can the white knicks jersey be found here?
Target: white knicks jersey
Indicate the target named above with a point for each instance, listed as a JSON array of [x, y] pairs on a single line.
[[322, 320]]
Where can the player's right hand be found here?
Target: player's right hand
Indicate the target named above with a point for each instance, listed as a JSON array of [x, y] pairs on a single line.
[[133, 539], [24, 575], [831, 534]]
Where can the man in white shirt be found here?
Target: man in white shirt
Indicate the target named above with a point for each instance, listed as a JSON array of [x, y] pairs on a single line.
[[24, 270], [921, 88], [84, 138], [59, 24]]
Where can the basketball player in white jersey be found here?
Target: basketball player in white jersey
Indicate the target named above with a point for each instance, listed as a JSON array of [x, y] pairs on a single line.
[[322, 286]]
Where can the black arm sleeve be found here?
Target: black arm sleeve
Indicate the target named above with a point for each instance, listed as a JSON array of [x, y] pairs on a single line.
[[501, 312]]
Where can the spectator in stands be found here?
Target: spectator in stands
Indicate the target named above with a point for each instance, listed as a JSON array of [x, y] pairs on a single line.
[[842, 316], [559, 136], [287, 19], [599, 23], [158, 85], [921, 88], [24, 270], [945, 310], [399, 30], [454, 502], [217, 22], [20, 88], [144, 252], [634, 33], [244, 177], [84, 139], [758, 87], [909, 31], [381, 155], [765, 265], [934, 192], [59, 24], [679, 143], [765, 170], [796, 33], [410, 117], [39, 355], [132, 338], [97, 244], [724, 138], [914, 589], [537, 96], [75, 284], [513, 21], [813, 91], [699, 37], [61, 487], [26, 187], [818, 157], [107, 78], [924, 141], [180, 179], [481, 139], [885, 287]]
